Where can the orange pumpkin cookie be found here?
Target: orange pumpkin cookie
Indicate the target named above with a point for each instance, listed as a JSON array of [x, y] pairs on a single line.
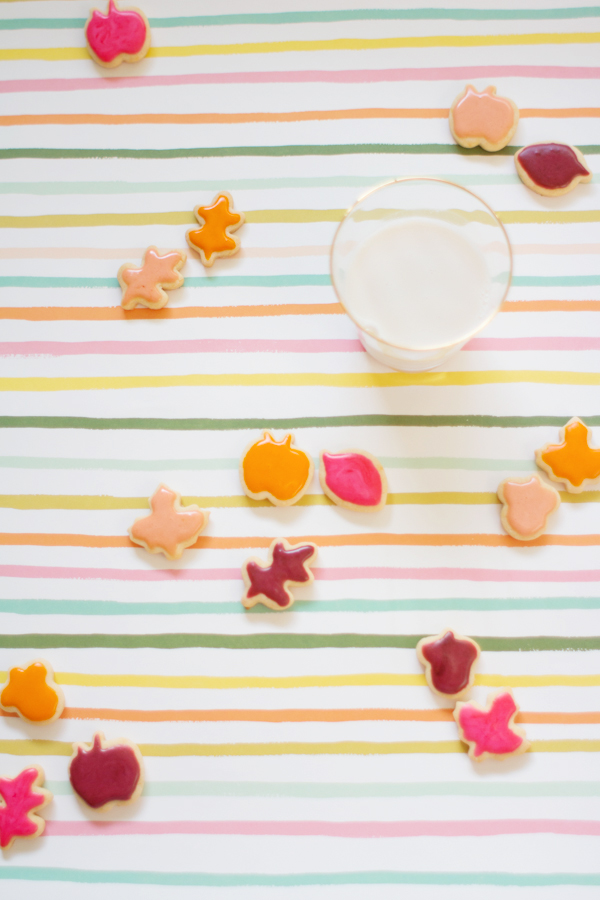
[[483, 119], [170, 527], [572, 461], [33, 693], [275, 470], [218, 221], [527, 503], [148, 285]]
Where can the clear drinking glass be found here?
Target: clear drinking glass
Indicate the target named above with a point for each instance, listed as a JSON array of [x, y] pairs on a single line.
[[420, 265]]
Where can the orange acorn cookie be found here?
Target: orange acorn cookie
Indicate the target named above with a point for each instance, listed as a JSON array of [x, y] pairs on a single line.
[[268, 583], [120, 35], [275, 470], [33, 694], [148, 285], [551, 169], [107, 773], [354, 479], [483, 119], [217, 221], [170, 527], [490, 731], [527, 503], [21, 800], [449, 660], [572, 461]]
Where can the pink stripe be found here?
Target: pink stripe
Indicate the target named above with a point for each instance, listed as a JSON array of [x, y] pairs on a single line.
[[347, 76], [534, 343], [209, 345], [339, 574], [477, 828]]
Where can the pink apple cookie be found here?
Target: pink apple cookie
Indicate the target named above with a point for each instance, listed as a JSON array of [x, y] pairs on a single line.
[[122, 35], [526, 505], [353, 479], [21, 800], [148, 285], [449, 660], [490, 731], [33, 694], [277, 471], [552, 169], [170, 527], [217, 222], [269, 582], [483, 119], [107, 773], [573, 461]]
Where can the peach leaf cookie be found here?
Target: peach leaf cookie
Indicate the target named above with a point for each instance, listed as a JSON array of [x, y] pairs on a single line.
[[33, 694], [526, 505], [21, 799], [572, 461], [353, 479], [107, 773], [449, 660], [490, 731], [148, 285], [170, 527], [551, 169], [217, 222], [122, 35], [275, 470], [269, 582], [483, 119]]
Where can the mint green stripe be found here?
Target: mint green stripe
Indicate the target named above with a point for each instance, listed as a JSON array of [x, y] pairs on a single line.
[[556, 280], [45, 281], [207, 879]]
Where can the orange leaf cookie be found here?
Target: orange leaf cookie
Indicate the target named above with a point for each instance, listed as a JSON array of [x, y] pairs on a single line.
[[33, 693], [490, 731], [218, 221], [21, 798], [268, 583], [483, 119], [275, 470], [148, 285], [527, 503], [572, 461], [170, 527]]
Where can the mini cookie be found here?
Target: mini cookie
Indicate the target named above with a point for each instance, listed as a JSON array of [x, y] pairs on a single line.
[[551, 169], [449, 661], [122, 35], [527, 503], [107, 773], [148, 285], [572, 461], [353, 479], [21, 798], [33, 693], [170, 527], [269, 582], [483, 119], [490, 731], [275, 470], [218, 221]]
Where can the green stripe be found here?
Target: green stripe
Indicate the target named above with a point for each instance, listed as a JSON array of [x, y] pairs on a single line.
[[207, 879], [280, 641], [406, 421], [45, 281]]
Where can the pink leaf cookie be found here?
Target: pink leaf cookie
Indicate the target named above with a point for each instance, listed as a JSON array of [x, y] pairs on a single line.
[[21, 798], [483, 119], [107, 773], [449, 660], [353, 479], [122, 35], [268, 583], [170, 527], [526, 505], [552, 169], [490, 731], [148, 284]]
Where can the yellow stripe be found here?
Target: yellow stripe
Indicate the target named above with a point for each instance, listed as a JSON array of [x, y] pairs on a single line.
[[301, 379], [484, 40]]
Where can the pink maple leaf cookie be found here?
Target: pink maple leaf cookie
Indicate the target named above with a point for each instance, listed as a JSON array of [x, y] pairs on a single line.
[[269, 582], [107, 773], [21, 799], [526, 505], [122, 35], [148, 285], [170, 527], [490, 731], [449, 660], [483, 119]]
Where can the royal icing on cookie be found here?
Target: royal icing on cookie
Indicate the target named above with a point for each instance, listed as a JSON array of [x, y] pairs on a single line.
[[148, 285], [218, 221], [33, 693], [170, 527], [449, 660], [483, 119], [21, 800], [106, 773], [551, 169], [275, 470], [527, 503], [353, 479], [268, 583], [490, 730], [572, 461], [120, 35]]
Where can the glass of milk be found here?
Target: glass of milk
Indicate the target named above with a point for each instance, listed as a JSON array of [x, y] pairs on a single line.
[[420, 265]]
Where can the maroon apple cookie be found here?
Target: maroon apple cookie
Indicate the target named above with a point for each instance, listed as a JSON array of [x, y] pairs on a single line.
[[106, 773]]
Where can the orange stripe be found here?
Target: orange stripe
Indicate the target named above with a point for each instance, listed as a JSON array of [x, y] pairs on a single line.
[[551, 306], [99, 313]]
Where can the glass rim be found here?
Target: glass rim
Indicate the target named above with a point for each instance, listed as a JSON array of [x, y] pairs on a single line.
[[387, 184]]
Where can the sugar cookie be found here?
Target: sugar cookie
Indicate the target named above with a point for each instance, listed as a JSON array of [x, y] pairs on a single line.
[[218, 221], [122, 35], [551, 169], [275, 470], [107, 773], [268, 583], [21, 800], [573, 461], [148, 285], [354, 479], [449, 660], [490, 730], [483, 119], [33, 693], [527, 503], [170, 527]]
